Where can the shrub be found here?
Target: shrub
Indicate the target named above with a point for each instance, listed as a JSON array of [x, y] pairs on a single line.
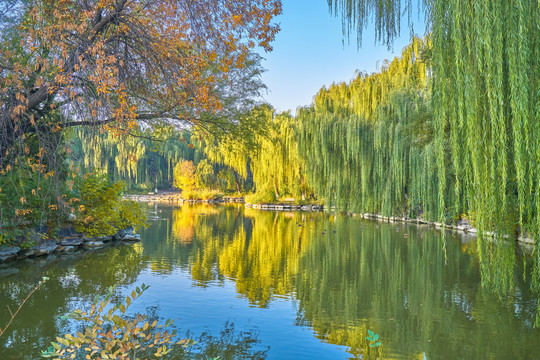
[[29, 197], [102, 211], [111, 334], [267, 196]]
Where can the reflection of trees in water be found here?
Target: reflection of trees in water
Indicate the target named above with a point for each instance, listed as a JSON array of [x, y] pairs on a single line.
[[182, 237], [506, 276], [265, 265], [74, 280], [497, 265], [355, 279], [407, 291], [417, 292], [228, 344]]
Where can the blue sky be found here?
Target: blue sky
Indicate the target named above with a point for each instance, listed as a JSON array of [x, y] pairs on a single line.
[[310, 52]]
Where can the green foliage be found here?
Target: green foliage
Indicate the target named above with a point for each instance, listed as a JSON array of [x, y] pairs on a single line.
[[31, 194], [486, 108], [109, 333], [261, 197], [273, 160], [366, 146], [143, 163], [102, 211], [201, 195], [205, 175], [386, 15], [373, 339]]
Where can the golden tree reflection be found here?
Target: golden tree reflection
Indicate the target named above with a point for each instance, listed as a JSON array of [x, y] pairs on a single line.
[[350, 276]]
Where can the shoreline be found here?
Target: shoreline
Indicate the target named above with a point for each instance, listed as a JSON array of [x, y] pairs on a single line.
[[464, 226], [69, 241]]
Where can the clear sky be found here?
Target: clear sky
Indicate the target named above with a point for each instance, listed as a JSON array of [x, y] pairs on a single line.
[[310, 52]]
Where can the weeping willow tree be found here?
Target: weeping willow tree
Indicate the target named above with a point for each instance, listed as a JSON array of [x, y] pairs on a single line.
[[386, 14], [141, 162], [368, 145], [486, 104], [486, 101], [272, 159]]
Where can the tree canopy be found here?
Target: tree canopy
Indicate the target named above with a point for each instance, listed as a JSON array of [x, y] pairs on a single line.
[[92, 62]]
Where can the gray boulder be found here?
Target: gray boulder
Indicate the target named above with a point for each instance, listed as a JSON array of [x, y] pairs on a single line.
[[65, 249], [8, 253], [44, 248], [71, 242], [132, 237], [95, 244], [119, 235]]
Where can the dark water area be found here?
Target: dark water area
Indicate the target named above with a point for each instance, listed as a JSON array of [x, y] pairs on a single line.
[[276, 285]]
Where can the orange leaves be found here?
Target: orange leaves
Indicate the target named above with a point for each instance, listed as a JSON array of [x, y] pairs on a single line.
[[111, 60], [23, 212]]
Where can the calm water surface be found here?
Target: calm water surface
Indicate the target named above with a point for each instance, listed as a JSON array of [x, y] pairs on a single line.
[[267, 285]]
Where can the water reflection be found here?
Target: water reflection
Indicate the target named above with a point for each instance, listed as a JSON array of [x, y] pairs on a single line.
[[426, 297], [74, 280], [422, 295]]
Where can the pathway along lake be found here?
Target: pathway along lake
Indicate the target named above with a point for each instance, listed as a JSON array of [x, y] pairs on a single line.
[[277, 285]]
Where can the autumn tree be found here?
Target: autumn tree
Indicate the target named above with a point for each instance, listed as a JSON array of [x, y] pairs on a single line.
[[78, 62], [124, 65], [184, 176]]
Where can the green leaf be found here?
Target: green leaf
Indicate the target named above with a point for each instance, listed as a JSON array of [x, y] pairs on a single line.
[[371, 333], [371, 345], [376, 337], [378, 343]]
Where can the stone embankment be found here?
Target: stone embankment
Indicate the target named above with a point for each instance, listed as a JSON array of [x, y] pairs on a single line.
[[285, 207], [174, 197], [68, 241], [461, 225]]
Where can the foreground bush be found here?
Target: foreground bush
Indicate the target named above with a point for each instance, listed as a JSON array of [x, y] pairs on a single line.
[[110, 334], [102, 211]]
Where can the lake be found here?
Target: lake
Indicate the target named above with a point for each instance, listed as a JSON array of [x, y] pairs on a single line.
[[252, 284]]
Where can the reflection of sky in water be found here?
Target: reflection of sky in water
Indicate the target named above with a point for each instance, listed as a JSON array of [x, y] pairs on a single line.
[[69, 280], [201, 308]]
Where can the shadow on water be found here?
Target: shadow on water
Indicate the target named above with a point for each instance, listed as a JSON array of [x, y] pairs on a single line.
[[426, 295]]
